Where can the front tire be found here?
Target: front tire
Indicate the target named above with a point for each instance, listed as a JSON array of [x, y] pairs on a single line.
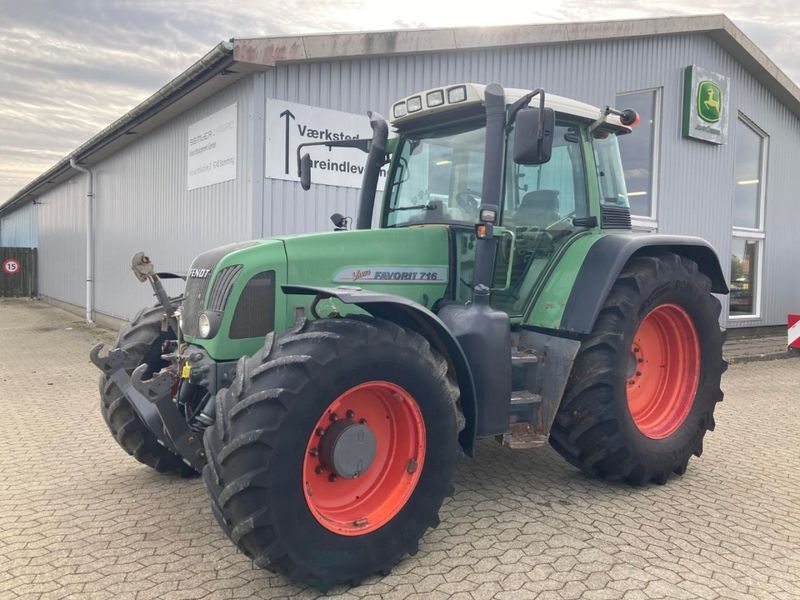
[[645, 383], [288, 506]]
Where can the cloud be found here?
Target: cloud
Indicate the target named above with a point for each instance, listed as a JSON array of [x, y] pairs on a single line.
[[67, 69]]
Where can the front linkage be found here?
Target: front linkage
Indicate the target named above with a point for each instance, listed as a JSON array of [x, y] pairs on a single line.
[[156, 400]]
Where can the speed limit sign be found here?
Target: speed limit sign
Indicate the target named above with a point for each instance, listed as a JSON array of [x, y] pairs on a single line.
[[11, 266]]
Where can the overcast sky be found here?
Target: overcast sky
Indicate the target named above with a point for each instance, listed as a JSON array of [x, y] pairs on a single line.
[[70, 67]]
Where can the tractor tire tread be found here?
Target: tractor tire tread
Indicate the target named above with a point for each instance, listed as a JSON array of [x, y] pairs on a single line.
[[249, 419], [587, 431]]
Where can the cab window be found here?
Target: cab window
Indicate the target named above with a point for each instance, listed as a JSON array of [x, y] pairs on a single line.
[[540, 203], [609, 169], [545, 195]]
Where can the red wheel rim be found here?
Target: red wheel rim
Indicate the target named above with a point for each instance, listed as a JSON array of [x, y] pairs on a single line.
[[663, 371], [362, 505]]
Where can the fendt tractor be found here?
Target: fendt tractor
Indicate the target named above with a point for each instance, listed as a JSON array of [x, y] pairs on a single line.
[[325, 385]]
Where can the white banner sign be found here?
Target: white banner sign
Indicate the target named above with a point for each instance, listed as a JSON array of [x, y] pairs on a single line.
[[290, 124], [212, 149]]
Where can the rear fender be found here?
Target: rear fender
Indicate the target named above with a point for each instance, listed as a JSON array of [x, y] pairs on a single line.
[[408, 313], [608, 256]]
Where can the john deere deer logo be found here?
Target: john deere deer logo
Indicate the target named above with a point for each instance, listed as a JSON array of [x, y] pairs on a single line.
[[709, 101]]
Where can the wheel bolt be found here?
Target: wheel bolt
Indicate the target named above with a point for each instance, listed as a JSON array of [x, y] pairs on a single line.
[[631, 382], [350, 414], [641, 360], [320, 431], [332, 477], [638, 373], [318, 469], [333, 417], [314, 452], [362, 421]]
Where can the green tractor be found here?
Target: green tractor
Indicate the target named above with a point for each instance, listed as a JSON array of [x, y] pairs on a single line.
[[325, 385]]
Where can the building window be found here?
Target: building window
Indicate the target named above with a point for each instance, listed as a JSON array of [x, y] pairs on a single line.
[[747, 246], [744, 276], [639, 152]]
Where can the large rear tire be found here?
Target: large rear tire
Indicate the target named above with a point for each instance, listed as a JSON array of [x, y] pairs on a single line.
[[646, 381], [278, 497], [141, 341]]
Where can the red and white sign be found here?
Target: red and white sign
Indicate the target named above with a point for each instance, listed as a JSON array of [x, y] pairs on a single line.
[[794, 330], [11, 266]]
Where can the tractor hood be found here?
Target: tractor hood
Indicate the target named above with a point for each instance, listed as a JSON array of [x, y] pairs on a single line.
[[238, 287], [409, 261]]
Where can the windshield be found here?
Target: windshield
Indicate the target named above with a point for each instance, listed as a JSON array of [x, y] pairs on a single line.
[[609, 169], [438, 177]]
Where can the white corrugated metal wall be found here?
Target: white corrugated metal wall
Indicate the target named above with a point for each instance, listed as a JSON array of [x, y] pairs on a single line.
[[142, 203], [695, 183], [62, 242], [18, 228]]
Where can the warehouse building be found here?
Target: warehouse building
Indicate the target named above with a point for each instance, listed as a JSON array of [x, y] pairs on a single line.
[[209, 158]]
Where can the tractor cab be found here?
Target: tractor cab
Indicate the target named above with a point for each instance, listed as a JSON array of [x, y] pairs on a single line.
[[437, 177]]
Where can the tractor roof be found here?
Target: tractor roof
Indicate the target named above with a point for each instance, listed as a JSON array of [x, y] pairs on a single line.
[[448, 97]]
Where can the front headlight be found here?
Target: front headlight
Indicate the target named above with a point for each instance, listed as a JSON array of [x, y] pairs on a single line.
[[204, 325]]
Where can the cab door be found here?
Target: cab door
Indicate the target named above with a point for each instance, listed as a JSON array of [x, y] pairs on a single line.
[[540, 204]]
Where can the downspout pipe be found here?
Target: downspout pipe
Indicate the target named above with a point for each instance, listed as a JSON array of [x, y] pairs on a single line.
[[89, 239]]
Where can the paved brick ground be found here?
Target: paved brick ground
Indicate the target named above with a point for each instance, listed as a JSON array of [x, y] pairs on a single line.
[[79, 518], [743, 348]]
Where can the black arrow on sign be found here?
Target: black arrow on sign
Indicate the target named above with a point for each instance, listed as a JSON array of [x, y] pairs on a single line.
[[288, 114]]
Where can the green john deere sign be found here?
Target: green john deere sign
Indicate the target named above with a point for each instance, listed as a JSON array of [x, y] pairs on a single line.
[[705, 105], [709, 101]]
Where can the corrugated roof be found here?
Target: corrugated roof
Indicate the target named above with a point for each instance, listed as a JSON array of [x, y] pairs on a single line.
[[229, 61]]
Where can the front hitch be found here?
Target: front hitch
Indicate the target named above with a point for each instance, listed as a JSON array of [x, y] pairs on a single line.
[[113, 366], [153, 401], [109, 363], [157, 391]]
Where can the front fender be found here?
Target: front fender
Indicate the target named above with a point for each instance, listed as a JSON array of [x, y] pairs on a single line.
[[606, 259], [408, 313]]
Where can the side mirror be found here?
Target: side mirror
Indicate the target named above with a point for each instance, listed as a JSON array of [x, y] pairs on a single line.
[[533, 135], [305, 172]]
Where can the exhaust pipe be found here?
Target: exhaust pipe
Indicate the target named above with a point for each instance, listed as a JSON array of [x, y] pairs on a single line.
[[375, 160]]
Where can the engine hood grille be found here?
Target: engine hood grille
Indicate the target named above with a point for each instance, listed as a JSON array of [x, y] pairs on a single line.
[[197, 281]]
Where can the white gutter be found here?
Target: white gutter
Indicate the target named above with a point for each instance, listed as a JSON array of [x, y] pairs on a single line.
[[89, 239]]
